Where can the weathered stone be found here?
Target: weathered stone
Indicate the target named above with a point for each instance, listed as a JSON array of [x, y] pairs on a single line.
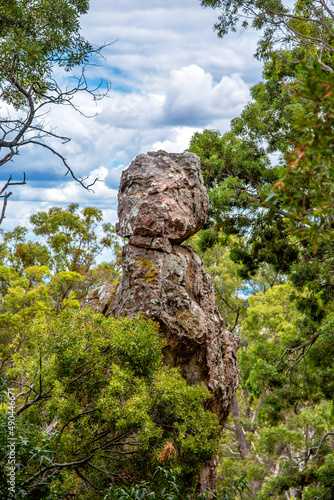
[[100, 298], [162, 195], [162, 244], [162, 201], [174, 289]]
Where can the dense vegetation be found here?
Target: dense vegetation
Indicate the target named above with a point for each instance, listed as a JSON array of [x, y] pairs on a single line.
[[95, 406], [270, 181]]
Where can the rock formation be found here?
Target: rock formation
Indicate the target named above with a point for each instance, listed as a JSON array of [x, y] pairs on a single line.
[[162, 202]]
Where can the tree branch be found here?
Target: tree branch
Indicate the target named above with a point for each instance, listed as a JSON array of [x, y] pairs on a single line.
[[7, 195], [69, 169], [304, 348]]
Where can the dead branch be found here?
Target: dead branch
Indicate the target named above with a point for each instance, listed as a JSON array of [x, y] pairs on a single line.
[[314, 450], [304, 348], [32, 129], [7, 195]]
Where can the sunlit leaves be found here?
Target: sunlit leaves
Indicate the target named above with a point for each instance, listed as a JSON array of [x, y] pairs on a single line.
[[105, 397], [306, 185], [35, 36]]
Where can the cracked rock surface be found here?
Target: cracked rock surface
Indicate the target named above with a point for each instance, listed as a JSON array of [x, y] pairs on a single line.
[[162, 195]]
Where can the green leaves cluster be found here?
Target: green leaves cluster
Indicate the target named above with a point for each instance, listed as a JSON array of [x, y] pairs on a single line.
[[165, 486], [73, 240], [280, 431], [95, 404], [306, 186], [36, 35]]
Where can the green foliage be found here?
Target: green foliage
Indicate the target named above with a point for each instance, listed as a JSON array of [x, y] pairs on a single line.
[[72, 246], [298, 24], [291, 114], [34, 37], [71, 236], [238, 207], [162, 486], [277, 433], [234, 169], [281, 424], [100, 402], [306, 186], [226, 156], [285, 401], [165, 486]]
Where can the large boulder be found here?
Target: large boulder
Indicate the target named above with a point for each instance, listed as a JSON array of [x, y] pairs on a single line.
[[162, 195], [174, 289]]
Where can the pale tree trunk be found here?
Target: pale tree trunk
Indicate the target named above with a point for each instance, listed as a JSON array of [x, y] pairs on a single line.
[[208, 477], [243, 445]]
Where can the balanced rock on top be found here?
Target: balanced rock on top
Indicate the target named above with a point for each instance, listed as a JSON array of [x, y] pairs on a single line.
[[162, 195]]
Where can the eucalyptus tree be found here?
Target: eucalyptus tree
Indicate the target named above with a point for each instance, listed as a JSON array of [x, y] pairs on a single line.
[[309, 25], [270, 182]]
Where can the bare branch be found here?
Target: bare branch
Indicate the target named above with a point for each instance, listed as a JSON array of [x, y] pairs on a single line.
[[323, 496], [310, 451], [29, 120], [228, 427], [7, 195], [32, 129], [261, 402], [69, 169], [304, 348], [325, 6], [40, 397], [300, 18]]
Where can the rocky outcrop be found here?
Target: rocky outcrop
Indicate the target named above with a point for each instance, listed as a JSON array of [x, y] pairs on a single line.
[[161, 197], [162, 202]]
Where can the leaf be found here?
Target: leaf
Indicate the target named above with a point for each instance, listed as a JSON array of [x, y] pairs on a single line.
[[277, 184]]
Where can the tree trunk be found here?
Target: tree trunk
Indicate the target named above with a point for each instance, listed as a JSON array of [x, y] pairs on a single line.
[[243, 445], [208, 476]]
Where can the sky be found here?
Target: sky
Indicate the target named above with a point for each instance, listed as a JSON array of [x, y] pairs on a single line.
[[170, 76]]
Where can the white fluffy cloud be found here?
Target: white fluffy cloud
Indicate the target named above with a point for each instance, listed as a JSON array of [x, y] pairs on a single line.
[[194, 99]]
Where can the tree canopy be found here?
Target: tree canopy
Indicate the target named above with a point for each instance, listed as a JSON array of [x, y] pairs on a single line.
[[299, 24], [270, 185], [36, 36]]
